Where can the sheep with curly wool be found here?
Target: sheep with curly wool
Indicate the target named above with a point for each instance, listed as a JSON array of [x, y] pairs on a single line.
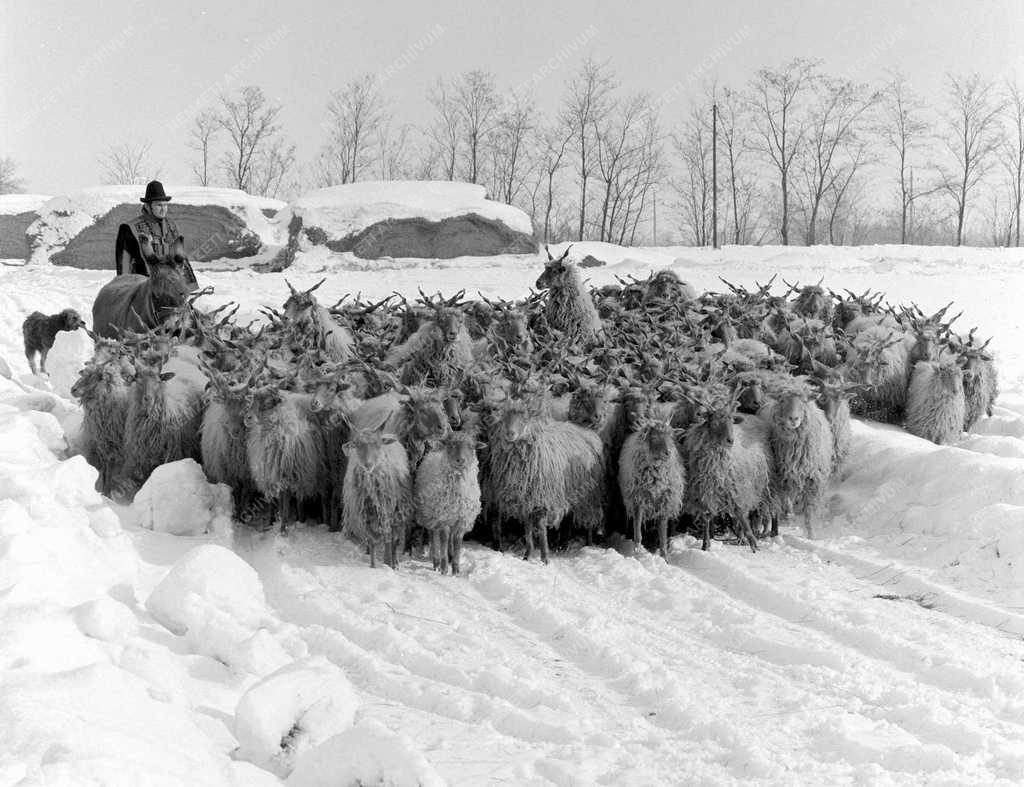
[[447, 496], [728, 470], [378, 493], [164, 417], [981, 386], [104, 390], [439, 353], [936, 408], [802, 452], [834, 400], [223, 437], [879, 357], [286, 448], [305, 317], [568, 306], [541, 469], [652, 480]]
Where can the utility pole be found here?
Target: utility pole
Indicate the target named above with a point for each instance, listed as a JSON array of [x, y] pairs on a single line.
[[714, 174], [654, 191]]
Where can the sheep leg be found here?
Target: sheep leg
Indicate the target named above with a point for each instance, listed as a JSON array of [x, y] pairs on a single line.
[[372, 547], [544, 542], [746, 533], [775, 525], [529, 538], [456, 548], [31, 356], [807, 523], [444, 537], [705, 526], [42, 359], [435, 545], [663, 538], [282, 509], [495, 520]]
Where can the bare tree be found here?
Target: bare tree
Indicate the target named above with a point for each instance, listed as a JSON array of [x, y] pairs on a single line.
[[588, 98], [781, 127], [446, 129], [693, 146], [271, 167], [833, 129], [553, 144], [972, 136], [127, 163], [393, 147], [476, 99], [512, 130], [843, 190], [355, 118], [1012, 150], [251, 123], [10, 183], [200, 139], [902, 128], [735, 145]]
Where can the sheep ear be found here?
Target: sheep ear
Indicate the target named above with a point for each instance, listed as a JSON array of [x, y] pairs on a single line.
[[347, 448], [165, 376], [737, 419], [388, 439], [479, 446]]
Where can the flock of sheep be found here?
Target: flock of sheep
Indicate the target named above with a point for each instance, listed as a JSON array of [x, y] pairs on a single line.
[[638, 405]]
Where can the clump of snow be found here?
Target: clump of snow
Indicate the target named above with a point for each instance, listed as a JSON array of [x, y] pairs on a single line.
[[291, 711], [104, 619], [341, 211], [366, 754], [177, 499], [63, 217], [215, 600], [11, 204]]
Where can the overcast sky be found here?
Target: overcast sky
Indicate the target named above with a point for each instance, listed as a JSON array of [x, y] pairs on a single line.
[[78, 76]]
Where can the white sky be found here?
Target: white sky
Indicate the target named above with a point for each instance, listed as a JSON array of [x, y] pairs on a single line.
[[76, 77]]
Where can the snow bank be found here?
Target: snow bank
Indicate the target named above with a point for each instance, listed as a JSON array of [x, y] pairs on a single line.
[[177, 499], [366, 754], [215, 600], [292, 711], [11, 204], [79, 229]]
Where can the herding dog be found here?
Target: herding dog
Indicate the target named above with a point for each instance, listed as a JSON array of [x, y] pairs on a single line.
[[40, 331]]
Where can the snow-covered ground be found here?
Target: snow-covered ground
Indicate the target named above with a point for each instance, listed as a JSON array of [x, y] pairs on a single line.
[[887, 651]]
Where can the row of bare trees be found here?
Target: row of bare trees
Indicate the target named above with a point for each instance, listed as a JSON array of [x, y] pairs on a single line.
[[803, 156], [820, 155]]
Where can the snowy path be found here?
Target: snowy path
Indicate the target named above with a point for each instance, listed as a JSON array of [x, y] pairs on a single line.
[[614, 670]]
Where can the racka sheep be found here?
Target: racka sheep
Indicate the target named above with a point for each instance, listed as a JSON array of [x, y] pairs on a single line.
[[728, 470], [569, 307], [286, 448], [223, 439], [540, 470], [308, 318], [652, 477], [802, 452], [40, 331], [378, 493], [440, 351], [936, 408], [447, 496]]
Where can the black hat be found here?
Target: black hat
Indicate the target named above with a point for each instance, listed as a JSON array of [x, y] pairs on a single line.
[[155, 192]]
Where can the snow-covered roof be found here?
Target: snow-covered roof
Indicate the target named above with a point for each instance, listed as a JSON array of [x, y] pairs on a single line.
[[342, 211], [11, 204]]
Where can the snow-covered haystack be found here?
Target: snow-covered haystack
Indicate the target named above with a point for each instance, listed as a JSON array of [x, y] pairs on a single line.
[[17, 212], [292, 711], [177, 499], [422, 219], [79, 229]]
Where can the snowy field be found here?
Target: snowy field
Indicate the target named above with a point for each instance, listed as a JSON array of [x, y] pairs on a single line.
[[887, 651]]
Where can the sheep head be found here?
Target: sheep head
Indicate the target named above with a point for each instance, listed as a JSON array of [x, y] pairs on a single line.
[[300, 303], [367, 448], [556, 272]]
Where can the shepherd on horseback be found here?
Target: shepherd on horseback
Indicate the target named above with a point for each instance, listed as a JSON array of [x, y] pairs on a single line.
[[152, 223]]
